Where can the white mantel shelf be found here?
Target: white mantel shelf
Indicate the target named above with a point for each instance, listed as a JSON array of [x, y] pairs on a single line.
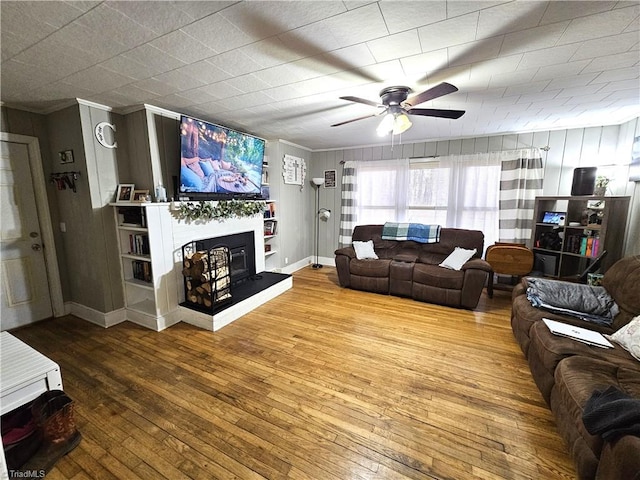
[[167, 235]]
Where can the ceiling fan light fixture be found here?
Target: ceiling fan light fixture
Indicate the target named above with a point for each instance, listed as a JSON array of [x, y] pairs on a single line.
[[401, 124], [386, 125]]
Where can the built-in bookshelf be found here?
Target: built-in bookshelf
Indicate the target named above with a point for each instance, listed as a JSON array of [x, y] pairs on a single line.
[[586, 227], [270, 227]]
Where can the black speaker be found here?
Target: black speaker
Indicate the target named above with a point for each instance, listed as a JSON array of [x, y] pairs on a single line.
[[584, 179]]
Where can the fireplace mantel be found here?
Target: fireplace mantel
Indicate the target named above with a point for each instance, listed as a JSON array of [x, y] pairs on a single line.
[[167, 234]]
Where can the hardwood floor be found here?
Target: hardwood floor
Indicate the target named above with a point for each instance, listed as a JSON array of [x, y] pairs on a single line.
[[320, 383]]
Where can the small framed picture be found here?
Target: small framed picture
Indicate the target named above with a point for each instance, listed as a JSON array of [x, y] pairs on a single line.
[[329, 179], [66, 156], [125, 192], [140, 195]]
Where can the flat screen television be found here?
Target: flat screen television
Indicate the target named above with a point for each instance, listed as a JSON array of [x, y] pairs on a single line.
[[218, 163]]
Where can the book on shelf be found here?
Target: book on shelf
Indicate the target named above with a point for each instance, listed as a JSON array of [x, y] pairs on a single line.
[[270, 227], [141, 270]]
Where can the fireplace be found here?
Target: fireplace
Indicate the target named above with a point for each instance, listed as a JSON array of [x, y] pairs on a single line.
[[213, 267]]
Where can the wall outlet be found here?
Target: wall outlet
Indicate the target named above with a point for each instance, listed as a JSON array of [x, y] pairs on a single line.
[[286, 260], [63, 227]]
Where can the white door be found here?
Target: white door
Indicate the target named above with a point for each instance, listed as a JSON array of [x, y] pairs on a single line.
[[25, 295]]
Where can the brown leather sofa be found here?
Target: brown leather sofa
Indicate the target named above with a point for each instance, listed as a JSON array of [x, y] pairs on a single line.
[[411, 269], [568, 372]]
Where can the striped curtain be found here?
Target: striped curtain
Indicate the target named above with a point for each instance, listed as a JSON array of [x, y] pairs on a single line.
[[520, 183], [348, 203]]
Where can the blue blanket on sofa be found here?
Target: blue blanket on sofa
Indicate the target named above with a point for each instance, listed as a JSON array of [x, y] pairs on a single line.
[[411, 231]]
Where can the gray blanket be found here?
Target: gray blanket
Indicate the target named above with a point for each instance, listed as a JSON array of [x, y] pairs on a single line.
[[612, 413], [586, 302]]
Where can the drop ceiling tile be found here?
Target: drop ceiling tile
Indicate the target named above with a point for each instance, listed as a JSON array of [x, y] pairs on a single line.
[[218, 33], [235, 63], [278, 17], [182, 46], [425, 62], [356, 26], [270, 52], [509, 18], [553, 72], [620, 85], [460, 7], [285, 92], [249, 83], [352, 57], [538, 97], [127, 67], [11, 45], [395, 46], [278, 76], [612, 62], [53, 56], [246, 100], [547, 56], [54, 14], [582, 99], [171, 101], [559, 11], [198, 9], [402, 16], [510, 79], [99, 43], [222, 90], [473, 52], [310, 40], [17, 76], [618, 74], [495, 66], [179, 81], [97, 79], [526, 88], [198, 96], [160, 17], [27, 30], [533, 38], [606, 46], [154, 86], [455, 31], [115, 25], [386, 72], [599, 25], [155, 60], [133, 94], [204, 71]]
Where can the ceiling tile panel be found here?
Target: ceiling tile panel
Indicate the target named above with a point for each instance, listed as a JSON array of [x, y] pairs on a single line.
[[455, 31], [249, 83], [618, 74], [218, 33], [160, 17], [222, 90], [198, 9], [99, 43], [98, 79], [527, 88], [475, 51], [271, 52], [533, 38], [425, 62], [509, 17], [179, 81], [182, 46], [127, 67], [204, 71], [553, 72], [395, 46], [357, 26], [17, 77], [198, 95], [154, 86], [606, 46], [116, 25], [310, 40], [600, 25], [401, 16], [461, 7], [611, 62], [235, 63], [558, 11], [547, 56], [155, 60]]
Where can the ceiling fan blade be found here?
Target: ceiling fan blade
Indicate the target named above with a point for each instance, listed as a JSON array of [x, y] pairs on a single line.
[[434, 112], [361, 100], [355, 119], [439, 90]]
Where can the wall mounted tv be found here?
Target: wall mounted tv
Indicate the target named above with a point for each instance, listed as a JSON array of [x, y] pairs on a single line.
[[218, 162]]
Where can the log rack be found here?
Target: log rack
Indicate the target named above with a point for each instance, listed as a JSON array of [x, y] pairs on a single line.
[[207, 276]]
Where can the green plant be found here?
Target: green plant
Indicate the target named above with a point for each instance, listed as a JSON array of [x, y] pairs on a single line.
[[602, 181], [206, 211]]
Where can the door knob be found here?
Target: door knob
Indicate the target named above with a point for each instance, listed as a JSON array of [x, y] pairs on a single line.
[[36, 246]]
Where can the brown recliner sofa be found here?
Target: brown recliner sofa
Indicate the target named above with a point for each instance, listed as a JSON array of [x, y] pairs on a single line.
[[568, 372], [410, 269]]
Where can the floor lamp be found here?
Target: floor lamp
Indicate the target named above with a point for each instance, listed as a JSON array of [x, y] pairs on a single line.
[[318, 182]]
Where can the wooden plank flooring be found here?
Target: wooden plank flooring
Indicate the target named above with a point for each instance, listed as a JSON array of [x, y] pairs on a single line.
[[319, 383]]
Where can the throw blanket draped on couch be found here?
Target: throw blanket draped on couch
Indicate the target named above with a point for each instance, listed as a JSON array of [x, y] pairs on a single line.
[[589, 303], [411, 231]]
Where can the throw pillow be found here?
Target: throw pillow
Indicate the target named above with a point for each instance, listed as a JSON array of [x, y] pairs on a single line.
[[628, 337], [458, 258], [364, 250]]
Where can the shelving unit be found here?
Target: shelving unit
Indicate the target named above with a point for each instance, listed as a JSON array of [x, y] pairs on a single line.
[[591, 225], [270, 218]]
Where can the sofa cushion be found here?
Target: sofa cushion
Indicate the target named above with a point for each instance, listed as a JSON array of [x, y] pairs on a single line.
[[370, 268], [364, 250], [628, 337], [457, 258], [621, 281], [439, 277]]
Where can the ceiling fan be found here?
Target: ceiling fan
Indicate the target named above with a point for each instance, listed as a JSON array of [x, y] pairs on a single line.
[[397, 105]]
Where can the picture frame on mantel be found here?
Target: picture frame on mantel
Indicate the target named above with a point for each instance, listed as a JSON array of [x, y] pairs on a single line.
[[125, 192]]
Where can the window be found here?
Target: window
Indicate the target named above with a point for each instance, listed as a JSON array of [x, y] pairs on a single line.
[[452, 191]]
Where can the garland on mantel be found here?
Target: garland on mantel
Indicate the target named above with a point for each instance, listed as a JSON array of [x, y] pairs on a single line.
[[219, 210]]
